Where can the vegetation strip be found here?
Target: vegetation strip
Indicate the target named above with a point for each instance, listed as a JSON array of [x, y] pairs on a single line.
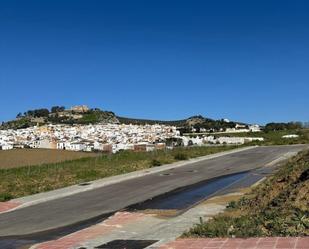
[[18, 182], [276, 207]]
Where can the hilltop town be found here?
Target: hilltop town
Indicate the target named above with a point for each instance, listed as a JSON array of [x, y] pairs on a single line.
[[83, 129]]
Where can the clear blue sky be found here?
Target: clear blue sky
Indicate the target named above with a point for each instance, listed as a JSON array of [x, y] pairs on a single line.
[[160, 59]]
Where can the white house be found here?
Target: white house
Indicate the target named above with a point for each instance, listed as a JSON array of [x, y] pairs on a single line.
[[254, 128], [250, 139], [6, 146], [231, 140], [61, 145], [290, 136], [75, 146], [46, 144]]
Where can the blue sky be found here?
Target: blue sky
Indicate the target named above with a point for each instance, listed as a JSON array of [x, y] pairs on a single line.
[[157, 59]]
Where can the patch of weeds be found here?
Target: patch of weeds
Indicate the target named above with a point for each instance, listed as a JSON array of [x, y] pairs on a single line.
[[232, 205], [223, 226], [155, 163], [181, 156], [5, 197], [87, 174]]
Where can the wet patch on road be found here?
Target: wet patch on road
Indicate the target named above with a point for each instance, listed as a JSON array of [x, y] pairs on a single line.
[[18, 244], [178, 201], [184, 198], [25, 241]]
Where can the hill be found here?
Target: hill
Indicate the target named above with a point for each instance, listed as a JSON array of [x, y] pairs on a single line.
[[185, 125], [84, 115], [59, 115]]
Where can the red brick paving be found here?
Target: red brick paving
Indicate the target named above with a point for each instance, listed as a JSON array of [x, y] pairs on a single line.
[[8, 205], [107, 226], [122, 218], [230, 243]]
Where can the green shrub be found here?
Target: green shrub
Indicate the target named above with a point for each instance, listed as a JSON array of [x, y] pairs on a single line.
[[181, 156]]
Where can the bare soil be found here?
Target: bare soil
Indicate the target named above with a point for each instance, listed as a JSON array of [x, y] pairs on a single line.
[[24, 157]]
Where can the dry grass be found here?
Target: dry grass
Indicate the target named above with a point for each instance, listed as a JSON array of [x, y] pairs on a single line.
[[24, 157], [225, 199]]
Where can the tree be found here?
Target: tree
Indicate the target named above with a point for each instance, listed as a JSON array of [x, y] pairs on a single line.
[[37, 113], [41, 112], [56, 109], [283, 126], [29, 113]]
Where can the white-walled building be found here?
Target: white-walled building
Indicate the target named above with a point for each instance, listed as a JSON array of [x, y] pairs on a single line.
[[290, 136]]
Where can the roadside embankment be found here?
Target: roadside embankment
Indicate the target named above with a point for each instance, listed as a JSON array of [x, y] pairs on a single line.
[[279, 206]]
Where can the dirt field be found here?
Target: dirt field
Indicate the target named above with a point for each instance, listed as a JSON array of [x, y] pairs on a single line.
[[23, 157]]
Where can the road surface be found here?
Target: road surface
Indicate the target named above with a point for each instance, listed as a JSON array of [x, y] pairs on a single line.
[[86, 205]]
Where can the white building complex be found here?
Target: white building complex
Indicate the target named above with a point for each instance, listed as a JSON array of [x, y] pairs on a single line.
[[103, 137], [107, 137]]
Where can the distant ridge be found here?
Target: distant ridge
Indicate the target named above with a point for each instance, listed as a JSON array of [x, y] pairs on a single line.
[[137, 121], [197, 121], [84, 115]]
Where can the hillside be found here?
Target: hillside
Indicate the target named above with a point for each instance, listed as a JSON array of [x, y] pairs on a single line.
[[84, 115], [277, 207]]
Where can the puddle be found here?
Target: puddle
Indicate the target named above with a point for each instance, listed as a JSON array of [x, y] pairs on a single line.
[[186, 197]]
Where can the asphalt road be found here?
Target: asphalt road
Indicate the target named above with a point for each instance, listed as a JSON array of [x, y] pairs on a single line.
[[86, 205]]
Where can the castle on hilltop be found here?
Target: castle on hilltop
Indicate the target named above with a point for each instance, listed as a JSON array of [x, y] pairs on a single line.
[[80, 108]]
